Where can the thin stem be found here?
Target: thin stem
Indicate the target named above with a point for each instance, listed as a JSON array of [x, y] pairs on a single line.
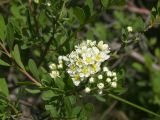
[[5, 50], [30, 77], [108, 110], [21, 69], [133, 105], [33, 12], [44, 53], [46, 50]]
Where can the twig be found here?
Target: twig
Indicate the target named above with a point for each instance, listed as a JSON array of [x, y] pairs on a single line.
[[5, 50], [34, 16], [30, 77], [131, 7], [46, 50], [108, 110], [21, 69], [141, 59], [120, 115], [135, 55]]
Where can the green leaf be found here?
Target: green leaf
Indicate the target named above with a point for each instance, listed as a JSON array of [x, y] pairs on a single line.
[[29, 23], [87, 13], [85, 112], [89, 3], [47, 95], [120, 90], [59, 83], [32, 91], [33, 68], [24, 83], [2, 28], [89, 108], [156, 83], [79, 13], [100, 98], [4, 87], [138, 24], [117, 2], [148, 61], [108, 3], [42, 18], [15, 10], [138, 66], [76, 110], [157, 53], [68, 106], [52, 110], [10, 35], [3, 63], [105, 3], [72, 99], [16, 56]]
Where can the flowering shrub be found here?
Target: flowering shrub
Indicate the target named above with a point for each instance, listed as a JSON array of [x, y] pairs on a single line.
[[85, 64], [71, 60]]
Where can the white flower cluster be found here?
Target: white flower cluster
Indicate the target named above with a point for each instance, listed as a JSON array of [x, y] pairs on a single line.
[[86, 60], [84, 63], [55, 69], [101, 81], [130, 29]]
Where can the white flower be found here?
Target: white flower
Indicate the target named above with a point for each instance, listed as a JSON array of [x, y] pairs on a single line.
[[114, 84], [100, 85], [60, 66], [108, 80], [52, 66], [91, 80], [85, 72], [130, 29], [60, 62], [100, 77], [95, 68], [114, 74], [109, 73], [91, 43], [105, 69], [102, 46], [54, 74], [60, 58], [95, 50], [100, 92], [87, 90], [65, 58], [88, 60], [48, 4], [76, 83], [115, 78]]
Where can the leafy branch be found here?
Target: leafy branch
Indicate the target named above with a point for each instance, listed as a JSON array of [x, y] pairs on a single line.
[[19, 67]]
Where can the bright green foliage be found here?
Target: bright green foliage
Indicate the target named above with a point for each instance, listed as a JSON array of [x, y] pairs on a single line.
[[33, 68], [4, 87]]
